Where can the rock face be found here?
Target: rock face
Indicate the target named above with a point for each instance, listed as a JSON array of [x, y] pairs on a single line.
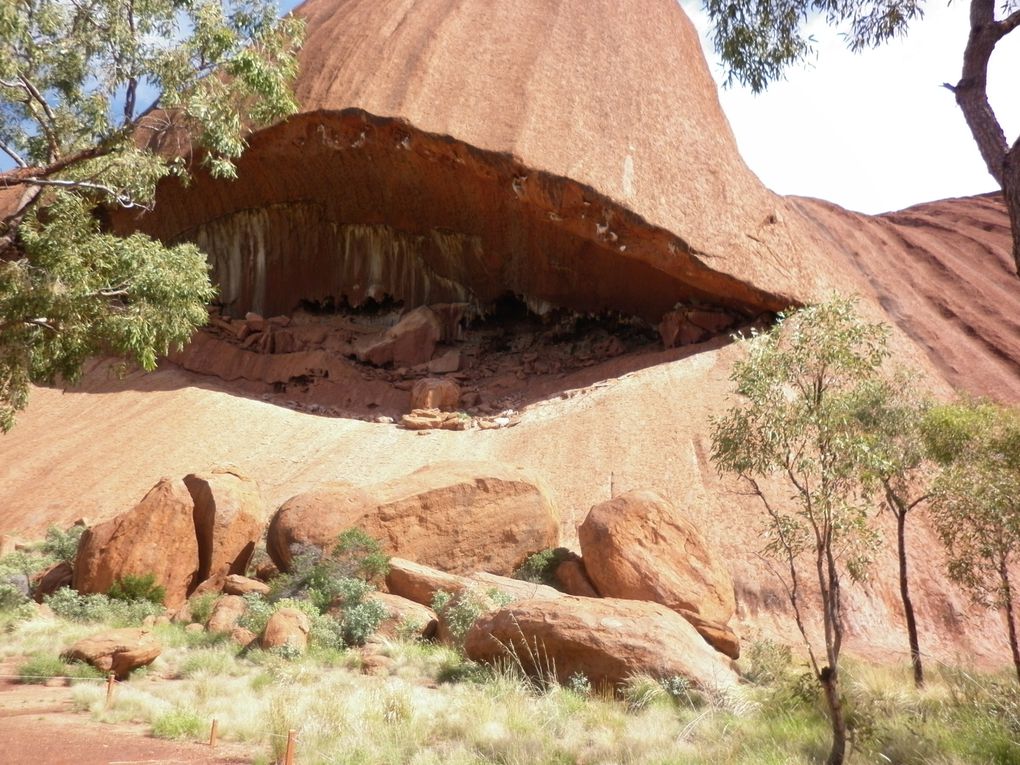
[[117, 651], [229, 519], [156, 537], [455, 516], [638, 546], [606, 639], [287, 627], [477, 163]]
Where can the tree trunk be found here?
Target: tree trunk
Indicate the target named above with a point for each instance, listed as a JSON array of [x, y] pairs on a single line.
[[1007, 592], [829, 678], [908, 606], [1011, 192]]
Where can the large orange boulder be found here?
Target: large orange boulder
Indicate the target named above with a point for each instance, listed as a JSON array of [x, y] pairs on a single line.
[[156, 537], [637, 546], [459, 517], [229, 519], [606, 639], [118, 651], [287, 627]]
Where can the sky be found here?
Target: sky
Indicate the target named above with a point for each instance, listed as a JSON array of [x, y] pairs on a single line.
[[873, 131]]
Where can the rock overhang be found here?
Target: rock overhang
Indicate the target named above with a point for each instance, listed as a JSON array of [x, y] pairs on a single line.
[[345, 206]]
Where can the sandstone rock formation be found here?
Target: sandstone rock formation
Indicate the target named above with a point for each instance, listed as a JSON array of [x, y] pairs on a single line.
[[156, 537], [605, 639], [573, 579], [456, 516], [118, 651], [638, 546], [582, 162], [229, 519], [411, 341], [286, 627]]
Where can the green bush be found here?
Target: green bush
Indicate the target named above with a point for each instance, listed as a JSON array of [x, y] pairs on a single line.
[[201, 606], [62, 545], [132, 587], [178, 724], [459, 612], [38, 669], [540, 568], [360, 621], [73, 606]]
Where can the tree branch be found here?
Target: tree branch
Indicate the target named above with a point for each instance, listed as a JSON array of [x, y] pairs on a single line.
[[13, 154], [122, 200]]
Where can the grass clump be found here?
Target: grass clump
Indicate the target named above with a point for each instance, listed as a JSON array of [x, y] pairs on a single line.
[[137, 588], [42, 667], [178, 724]]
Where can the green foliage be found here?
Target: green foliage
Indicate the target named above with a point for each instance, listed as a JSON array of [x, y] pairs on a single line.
[[73, 606], [201, 606], [62, 545], [802, 385], [40, 668], [72, 76], [540, 567], [976, 502], [356, 554], [132, 587], [178, 724], [361, 620], [758, 41], [767, 661]]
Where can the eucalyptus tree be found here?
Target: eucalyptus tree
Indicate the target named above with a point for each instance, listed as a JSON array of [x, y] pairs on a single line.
[[801, 385], [976, 501], [100, 100]]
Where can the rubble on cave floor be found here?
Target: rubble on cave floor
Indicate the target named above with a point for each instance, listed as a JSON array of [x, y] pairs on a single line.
[[369, 363]]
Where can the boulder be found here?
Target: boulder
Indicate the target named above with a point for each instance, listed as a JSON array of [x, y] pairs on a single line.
[[288, 626], [573, 579], [458, 517], [445, 363], [419, 583], [229, 519], [227, 611], [235, 584], [606, 639], [432, 393], [409, 342], [156, 537], [52, 579], [118, 651], [316, 517], [404, 618], [637, 546], [243, 637]]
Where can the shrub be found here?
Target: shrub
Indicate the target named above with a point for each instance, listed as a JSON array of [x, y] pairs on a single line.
[[12, 596], [361, 620], [358, 554], [540, 568], [178, 724], [133, 587], [62, 545], [580, 684], [201, 606], [40, 668], [768, 661], [73, 606]]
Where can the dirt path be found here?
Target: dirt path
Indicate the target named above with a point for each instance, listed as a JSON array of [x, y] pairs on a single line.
[[38, 727]]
